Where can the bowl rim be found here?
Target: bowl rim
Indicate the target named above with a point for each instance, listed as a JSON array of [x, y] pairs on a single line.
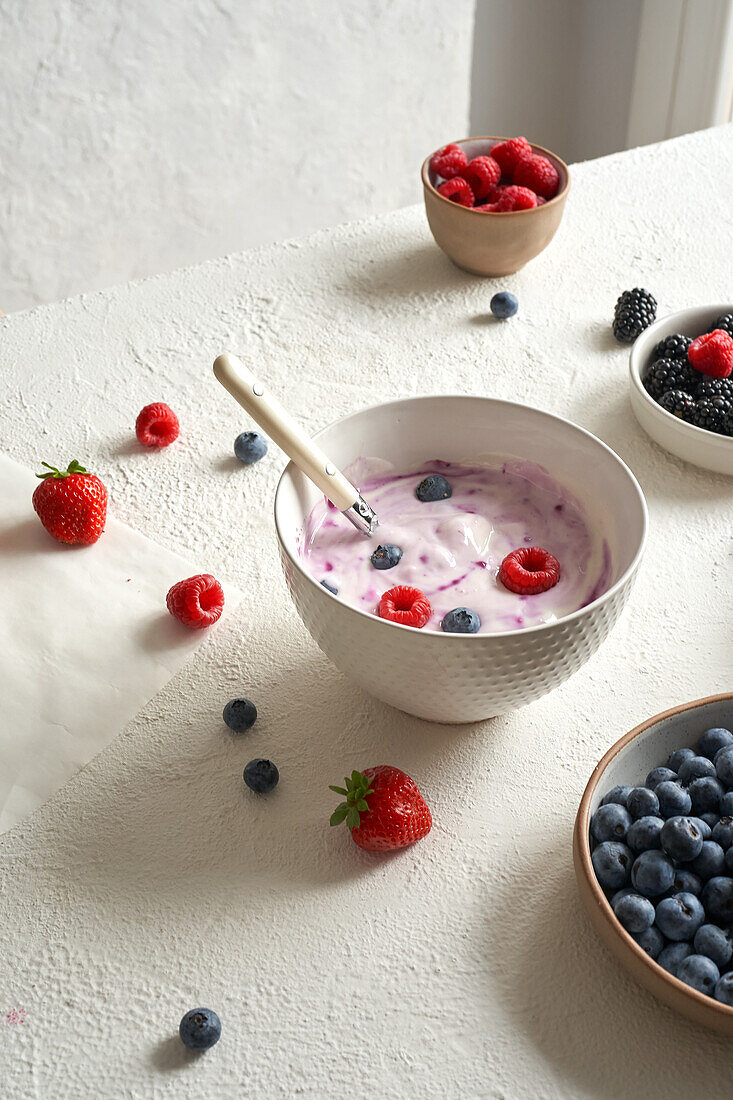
[[562, 193], [469, 639], [581, 843], [639, 352]]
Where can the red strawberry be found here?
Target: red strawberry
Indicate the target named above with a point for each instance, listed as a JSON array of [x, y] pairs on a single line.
[[71, 504], [383, 809]]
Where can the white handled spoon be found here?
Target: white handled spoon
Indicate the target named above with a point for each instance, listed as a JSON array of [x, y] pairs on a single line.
[[276, 422]]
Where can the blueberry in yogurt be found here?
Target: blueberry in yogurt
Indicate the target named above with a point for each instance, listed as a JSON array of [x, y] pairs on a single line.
[[386, 557], [433, 487]]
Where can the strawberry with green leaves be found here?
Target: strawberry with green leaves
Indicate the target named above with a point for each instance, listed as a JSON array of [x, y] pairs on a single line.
[[71, 504], [383, 808]]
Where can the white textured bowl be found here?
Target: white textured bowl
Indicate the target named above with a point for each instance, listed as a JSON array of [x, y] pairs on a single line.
[[627, 763], [696, 445], [454, 677]]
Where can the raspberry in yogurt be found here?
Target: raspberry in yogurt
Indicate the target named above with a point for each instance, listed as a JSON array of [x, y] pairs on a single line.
[[451, 547]]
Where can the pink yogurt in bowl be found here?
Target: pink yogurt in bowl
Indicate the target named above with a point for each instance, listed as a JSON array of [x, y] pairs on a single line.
[[447, 677], [452, 549]]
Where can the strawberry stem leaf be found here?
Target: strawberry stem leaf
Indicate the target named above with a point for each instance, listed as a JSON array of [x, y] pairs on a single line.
[[356, 791], [74, 467]]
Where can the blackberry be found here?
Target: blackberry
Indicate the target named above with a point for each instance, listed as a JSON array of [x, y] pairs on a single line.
[[726, 323], [710, 413], [678, 403], [715, 387], [673, 347], [727, 424], [635, 311], [670, 374]]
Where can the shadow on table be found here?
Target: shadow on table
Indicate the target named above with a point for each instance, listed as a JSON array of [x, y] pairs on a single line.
[[422, 272], [171, 1054], [176, 816], [570, 998]]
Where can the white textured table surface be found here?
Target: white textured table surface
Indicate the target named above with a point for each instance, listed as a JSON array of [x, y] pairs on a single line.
[[153, 883]]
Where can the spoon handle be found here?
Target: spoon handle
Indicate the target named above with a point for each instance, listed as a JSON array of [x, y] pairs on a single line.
[[278, 424]]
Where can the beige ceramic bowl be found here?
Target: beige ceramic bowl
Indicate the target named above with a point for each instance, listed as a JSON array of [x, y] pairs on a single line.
[[627, 762], [493, 244]]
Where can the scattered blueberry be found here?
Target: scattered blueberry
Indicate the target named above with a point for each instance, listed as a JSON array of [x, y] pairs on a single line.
[[713, 740], [645, 834], [659, 775], [200, 1029], [710, 862], [673, 954], [240, 714], [462, 620], [717, 897], [678, 756], [673, 799], [724, 989], [706, 794], [635, 912], [723, 833], [681, 838], [330, 588], [433, 487], [716, 943], [699, 972], [386, 557], [652, 873], [250, 447], [651, 940], [261, 776], [679, 917], [695, 767], [503, 305], [619, 795], [612, 864], [642, 802]]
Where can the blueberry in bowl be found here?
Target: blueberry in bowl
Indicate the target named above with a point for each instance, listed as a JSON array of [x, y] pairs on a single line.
[[660, 895]]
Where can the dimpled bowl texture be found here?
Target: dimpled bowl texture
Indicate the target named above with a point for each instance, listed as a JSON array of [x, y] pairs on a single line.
[[628, 762], [453, 677], [492, 244], [696, 445]]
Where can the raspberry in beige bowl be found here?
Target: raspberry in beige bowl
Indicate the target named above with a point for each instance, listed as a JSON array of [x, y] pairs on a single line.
[[487, 241], [448, 677]]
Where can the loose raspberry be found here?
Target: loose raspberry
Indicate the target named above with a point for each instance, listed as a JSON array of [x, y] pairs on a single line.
[[488, 208], [448, 161], [529, 570], [538, 174], [481, 174], [712, 353], [516, 198], [457, 190], [507, 154], [157, 425], [196, 602], [408, 606]]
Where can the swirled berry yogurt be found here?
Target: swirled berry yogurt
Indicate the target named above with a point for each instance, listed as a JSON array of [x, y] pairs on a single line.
[[450, 545]]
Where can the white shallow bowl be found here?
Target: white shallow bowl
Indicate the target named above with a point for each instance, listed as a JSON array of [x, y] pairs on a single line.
[[454, 677], [702, 448], [627, 763]]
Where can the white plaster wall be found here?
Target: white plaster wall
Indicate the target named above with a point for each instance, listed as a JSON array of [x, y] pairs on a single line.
[[559, 71], [138, 136]]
